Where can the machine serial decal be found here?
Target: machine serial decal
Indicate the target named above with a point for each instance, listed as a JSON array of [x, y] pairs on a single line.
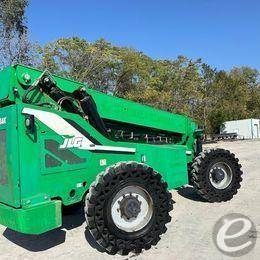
[[64, 129], [3, 121]]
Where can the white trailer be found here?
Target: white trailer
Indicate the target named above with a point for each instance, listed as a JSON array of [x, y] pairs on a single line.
[[246, 128]]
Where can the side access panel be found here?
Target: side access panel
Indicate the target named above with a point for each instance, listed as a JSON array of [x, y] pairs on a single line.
[[169, 161], [9, 160]]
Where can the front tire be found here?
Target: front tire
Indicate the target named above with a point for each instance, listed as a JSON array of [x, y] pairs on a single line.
[[127, 208], [216, 175]]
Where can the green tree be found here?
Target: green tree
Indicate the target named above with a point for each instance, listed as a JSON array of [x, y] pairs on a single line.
[[249, 80], [80, 60], [14, 44], [183, 86]]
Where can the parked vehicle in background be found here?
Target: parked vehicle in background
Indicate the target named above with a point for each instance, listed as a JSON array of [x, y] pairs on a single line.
[[245, 129]]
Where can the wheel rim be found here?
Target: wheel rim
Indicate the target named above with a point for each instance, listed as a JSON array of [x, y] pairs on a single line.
[[131, 208], [220, 175]]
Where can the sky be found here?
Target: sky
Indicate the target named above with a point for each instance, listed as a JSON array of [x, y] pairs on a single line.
[[224, 33]]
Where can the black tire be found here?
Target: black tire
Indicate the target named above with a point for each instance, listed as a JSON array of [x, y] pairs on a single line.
[[200, 175], [98, 208]]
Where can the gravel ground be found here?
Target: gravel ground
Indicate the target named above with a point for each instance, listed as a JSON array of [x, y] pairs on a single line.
[[189, 234]]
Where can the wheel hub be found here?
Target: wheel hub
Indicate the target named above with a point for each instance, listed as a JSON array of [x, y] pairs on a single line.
[[218, 175], [130, 207]]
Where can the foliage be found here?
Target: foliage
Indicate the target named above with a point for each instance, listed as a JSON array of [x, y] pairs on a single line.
[[183, 86], [14, 44]]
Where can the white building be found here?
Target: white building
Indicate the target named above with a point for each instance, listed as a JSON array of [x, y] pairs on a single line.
[[246, 128]]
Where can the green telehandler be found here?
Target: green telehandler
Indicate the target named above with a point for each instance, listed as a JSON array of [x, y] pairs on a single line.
[[62, 143]]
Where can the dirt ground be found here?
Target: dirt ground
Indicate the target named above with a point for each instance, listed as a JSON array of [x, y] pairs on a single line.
[[189, 234]]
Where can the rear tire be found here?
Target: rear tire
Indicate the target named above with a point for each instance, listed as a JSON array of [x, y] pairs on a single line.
[[127, 208], [216, 175]]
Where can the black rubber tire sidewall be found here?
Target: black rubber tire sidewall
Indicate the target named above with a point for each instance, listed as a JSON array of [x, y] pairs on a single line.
[[200, 175], [98, 208]]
